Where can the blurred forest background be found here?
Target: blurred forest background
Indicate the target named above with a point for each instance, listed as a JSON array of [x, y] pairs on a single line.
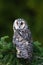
[[30, 10]]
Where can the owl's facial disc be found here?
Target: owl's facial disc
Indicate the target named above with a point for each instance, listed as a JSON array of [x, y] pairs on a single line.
[[19, 24]]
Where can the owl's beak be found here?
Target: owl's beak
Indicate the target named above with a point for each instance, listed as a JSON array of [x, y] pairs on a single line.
[[19, 26]]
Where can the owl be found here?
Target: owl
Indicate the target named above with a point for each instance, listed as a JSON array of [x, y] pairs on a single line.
[[22, 39]]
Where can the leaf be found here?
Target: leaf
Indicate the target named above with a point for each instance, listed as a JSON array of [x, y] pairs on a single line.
[[3, 38]]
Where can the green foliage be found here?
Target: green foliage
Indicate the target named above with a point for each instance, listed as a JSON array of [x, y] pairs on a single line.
[[8, 53], [4, 46]]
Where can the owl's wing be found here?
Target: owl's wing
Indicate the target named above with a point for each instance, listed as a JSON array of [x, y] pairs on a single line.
[[29, 36], [29, 47]]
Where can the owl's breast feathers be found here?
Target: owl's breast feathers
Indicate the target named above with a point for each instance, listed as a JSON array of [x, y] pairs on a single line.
[[26, 34]]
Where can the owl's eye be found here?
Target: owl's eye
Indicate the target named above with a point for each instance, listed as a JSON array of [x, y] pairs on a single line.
[[17, 23], [21, 23]]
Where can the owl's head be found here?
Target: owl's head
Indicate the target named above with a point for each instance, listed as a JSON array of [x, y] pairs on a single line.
[[20, 24]]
